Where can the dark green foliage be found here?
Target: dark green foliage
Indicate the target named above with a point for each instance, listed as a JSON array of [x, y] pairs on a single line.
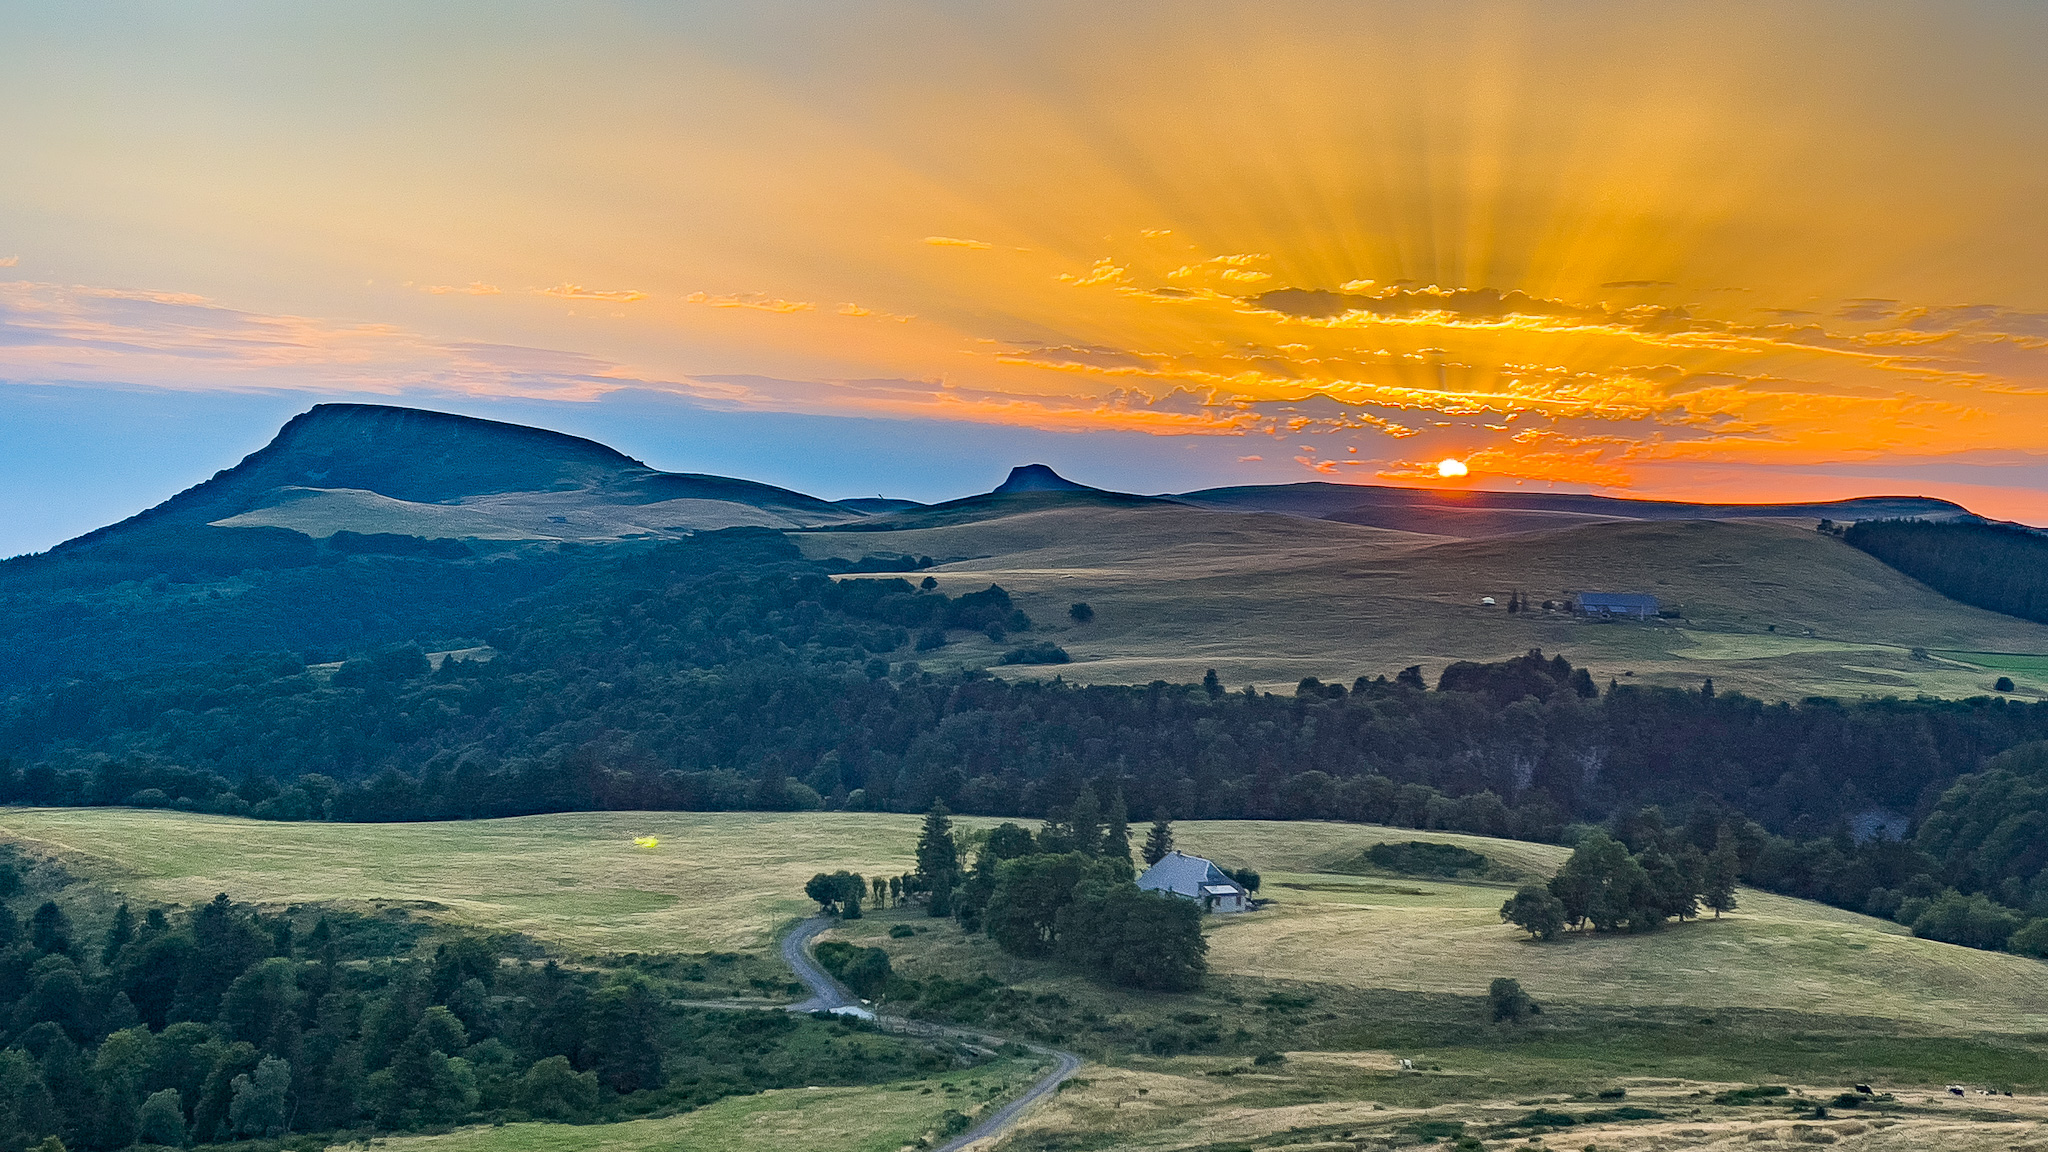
[[1080, 613], [865, 970], [1509, 1003], [1158, 841], [1954, 918], [1424, 858], [1536, 911], [368, 1028], [1087, 912], [2002, 684], [1043, 652], [1997, 566], [837, 894], [1755, 1095], [1602, 885]]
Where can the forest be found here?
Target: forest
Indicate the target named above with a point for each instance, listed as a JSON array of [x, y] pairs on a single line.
[[224, 1024], [2002, 567]]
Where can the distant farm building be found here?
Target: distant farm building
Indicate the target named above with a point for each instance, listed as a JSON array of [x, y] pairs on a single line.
[[1635, 605], [1196, 879]]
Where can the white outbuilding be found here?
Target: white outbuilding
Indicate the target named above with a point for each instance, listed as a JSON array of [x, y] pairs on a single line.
[[1196, 879]]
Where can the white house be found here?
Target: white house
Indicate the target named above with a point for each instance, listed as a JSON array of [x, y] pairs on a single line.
[[1196, 879]]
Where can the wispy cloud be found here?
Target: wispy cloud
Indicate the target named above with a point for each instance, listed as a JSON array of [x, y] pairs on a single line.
[[857, 310], [957, 242], [9, 261], [473, 288], [567, 291], [755, 300]]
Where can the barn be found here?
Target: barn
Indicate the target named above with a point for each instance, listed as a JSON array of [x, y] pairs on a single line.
[[1194, 878], [1633, 605]]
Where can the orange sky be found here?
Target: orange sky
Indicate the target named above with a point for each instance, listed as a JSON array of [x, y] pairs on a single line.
[[1751, 251]]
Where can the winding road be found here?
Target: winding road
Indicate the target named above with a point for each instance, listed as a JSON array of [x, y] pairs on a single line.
[[828, 995]]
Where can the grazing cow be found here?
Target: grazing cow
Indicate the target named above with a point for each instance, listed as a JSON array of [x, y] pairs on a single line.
[[1407, 1065], [1956, 1090], [1865, 1089]]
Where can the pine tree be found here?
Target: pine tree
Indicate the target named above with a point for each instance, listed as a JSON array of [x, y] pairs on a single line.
[[1116, 839], [118, 936], [1718, 885], [1159, 841], [1212, 684], [938, 859], [1084, 823]]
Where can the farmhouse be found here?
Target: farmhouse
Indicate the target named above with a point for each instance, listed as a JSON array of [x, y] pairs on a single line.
[[1630, 604], [1196, 879]]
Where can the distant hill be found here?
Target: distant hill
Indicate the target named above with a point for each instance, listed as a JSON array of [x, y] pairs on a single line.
[[1471, 514]]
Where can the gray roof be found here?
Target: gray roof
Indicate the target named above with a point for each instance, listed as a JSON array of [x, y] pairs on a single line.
[[1184, 875], [1616, 600]]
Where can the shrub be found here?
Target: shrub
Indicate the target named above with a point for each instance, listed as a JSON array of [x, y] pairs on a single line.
[[1422, 858], [1509, 1002], [901, 931], [1081, 613], [2002, 684], [1043, 652]]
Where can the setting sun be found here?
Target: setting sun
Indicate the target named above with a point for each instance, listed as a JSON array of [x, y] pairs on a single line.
[[1451, 469]]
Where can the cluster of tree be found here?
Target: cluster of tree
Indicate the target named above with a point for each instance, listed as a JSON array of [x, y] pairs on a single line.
[[2002, 567], [1066, 893], [1604, 887], [223, 1024]]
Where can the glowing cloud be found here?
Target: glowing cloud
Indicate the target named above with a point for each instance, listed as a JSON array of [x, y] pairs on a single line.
[[1451, 469], [957, 242], [756, 300], [579, 292]]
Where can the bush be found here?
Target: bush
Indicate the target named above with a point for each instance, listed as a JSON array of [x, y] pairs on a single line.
[[1509, 1002], [552, 1090], [2002, 684], [865, 970], [1081, 613], [2031, 940], [1043, 652], [1422, 858], [901, 931]]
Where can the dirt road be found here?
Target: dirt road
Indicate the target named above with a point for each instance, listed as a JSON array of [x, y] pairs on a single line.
[[829, 995]]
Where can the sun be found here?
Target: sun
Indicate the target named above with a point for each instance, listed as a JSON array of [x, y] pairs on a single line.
[[1451, 469]]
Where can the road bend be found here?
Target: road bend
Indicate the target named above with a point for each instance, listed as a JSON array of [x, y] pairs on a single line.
[[829, 995]]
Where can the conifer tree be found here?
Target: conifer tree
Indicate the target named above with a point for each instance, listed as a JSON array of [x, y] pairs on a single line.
[[1159, 841], [1718, 885], [1116, 838], [938, 859], [1084, 823]]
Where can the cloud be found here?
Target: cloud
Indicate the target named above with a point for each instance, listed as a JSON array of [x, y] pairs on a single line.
[[1632, 284], [1154, 233], [1085, 357], [758, 301], [566, 291], [857, 310], [1105, 271], [9, 261], [1249, 459], [957, 242], [473, 288]]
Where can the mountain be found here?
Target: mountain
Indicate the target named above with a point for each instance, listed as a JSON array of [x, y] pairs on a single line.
[[1038, 478], [375, 469]]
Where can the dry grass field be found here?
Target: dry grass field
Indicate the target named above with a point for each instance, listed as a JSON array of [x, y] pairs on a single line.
[[730, 881], [871, 1119], [1771, 607]]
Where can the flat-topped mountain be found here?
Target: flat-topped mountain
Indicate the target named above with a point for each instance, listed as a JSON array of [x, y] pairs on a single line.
[[371, 469], [1038, 478]]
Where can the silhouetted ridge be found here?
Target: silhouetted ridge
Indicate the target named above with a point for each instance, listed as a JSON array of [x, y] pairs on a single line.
[[1038, 478]]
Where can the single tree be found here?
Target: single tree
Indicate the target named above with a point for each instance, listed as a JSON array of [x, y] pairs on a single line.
[[1246, 877], [1116, 834], [1159, 841], [1718, 882], [896, 889], [1411, 677], [881, 890], [50, 929], [1083, 824], [1081, 613], [162, 1119], [1535, 911], [118, 935], [938, 859], [1212, 684]]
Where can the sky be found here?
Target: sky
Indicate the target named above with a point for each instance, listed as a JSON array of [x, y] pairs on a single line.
[[1739, 252]]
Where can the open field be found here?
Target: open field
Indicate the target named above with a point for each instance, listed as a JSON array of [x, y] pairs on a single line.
[[1345, 974], [881, 1118], [729, 881], [1771, 607]]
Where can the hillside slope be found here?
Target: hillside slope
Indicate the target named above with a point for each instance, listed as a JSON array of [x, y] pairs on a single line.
[[1769, 606]]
